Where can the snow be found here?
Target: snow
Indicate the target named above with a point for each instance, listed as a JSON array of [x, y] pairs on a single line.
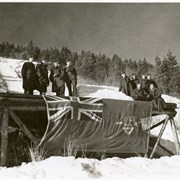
[[67, 168]]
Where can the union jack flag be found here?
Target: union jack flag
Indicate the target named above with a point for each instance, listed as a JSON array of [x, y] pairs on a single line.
[[73, 108]]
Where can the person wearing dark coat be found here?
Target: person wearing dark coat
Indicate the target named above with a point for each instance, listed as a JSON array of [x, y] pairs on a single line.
[[71, 78], [151, 81], [57, 77], [28, 73], [140, 94], [125, 84], [155, 96], [134, 81], [42, 73], [143, 82]]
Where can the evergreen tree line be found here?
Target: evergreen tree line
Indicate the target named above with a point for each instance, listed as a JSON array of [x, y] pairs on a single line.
[[102, 69]]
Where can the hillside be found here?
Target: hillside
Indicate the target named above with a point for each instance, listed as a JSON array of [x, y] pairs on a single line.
[[71, 168]]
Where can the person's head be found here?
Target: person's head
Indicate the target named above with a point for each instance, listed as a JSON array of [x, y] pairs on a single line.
[[148, 76], [123, 74], [68, 63], [143, 76], [55, 64], [138, 86], [31, 59], [151, 86], [134, 76]]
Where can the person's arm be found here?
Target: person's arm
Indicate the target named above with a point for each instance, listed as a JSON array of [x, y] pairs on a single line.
[[75, 73], [51, 75], [157, 94], [120, 85], [38, 71], [23, 71]]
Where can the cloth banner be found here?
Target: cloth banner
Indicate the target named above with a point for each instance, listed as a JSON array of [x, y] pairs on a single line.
[[96, 125]]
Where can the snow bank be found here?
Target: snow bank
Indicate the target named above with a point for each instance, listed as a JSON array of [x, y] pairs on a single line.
[[67, 168]]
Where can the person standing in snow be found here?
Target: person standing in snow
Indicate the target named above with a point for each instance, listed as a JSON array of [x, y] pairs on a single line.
[[71, 78], [143, 82], [28, 73], [134, 81], [125, 84], [57, 77], [42, 73]]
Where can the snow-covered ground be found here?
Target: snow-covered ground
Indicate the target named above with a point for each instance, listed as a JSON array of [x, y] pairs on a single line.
[[70, 168]]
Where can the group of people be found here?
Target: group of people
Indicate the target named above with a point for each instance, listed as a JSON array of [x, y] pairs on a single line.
[[143, 89], [37, 78]]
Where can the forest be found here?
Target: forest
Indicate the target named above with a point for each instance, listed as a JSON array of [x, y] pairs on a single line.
[[101, 69]]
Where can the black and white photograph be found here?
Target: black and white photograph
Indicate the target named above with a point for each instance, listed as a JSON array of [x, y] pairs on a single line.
[[89, 90]]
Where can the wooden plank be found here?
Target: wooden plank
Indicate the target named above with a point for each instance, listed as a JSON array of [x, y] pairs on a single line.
[[158, 124], [28, 108], [159, 136], [4, 137], [22, 126], [176, 139]]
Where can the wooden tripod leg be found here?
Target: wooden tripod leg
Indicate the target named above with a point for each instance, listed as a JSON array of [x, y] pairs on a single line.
[[4, 137], [176, 139], [159, 136]]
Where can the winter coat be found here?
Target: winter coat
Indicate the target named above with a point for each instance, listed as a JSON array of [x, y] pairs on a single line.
[[29, 77], [125, 86], [157, 101], [57, 77], [42, 73], [144, 83], [134, 83], [71, 73], [140, 94]]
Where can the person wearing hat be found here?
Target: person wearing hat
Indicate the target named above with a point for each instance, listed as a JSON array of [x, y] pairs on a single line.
[[42, 73], [57, 77]]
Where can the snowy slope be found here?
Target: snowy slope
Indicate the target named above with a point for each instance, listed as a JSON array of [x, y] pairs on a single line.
[[67, 168]]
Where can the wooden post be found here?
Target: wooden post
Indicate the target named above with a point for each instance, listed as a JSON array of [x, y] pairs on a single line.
[[22, 126], [176, 139], [4, 137], [159, 136]]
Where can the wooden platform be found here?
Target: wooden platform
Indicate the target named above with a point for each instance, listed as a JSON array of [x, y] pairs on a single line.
[[29, 112]]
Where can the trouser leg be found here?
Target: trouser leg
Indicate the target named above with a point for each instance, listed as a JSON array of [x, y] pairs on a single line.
[[68, 84], [60, 91], [74, 84]]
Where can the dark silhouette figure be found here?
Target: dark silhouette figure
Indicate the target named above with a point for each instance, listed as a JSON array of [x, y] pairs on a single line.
[[42, 73], [71, 79], [57, 77], [29, 77]]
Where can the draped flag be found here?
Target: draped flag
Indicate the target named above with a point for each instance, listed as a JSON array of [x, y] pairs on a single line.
[[96, 125]]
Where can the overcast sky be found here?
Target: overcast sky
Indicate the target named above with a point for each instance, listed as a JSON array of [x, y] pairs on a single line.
[[128, 30]]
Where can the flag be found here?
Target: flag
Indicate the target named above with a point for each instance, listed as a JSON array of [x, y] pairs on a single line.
[[95, 124]]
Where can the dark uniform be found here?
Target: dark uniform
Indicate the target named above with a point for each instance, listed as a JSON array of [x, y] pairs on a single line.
[[71, 80], [42, 73], [125, 86], [57, 77], [140, 94], [144, 83], [28, 73], [134, 83], [158, 102]]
